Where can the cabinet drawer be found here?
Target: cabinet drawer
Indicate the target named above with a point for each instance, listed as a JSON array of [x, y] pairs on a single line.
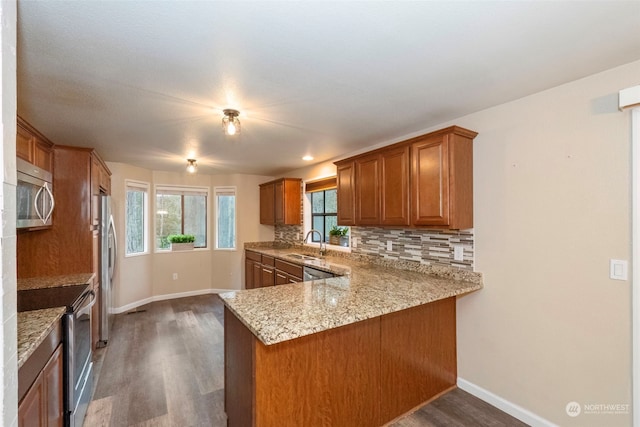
[[292, 269], [268, 260], [254, 256]]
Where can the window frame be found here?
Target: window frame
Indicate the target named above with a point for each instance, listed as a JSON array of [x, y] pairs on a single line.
[[145, 187], [324, 214], [225, 190], [314, 186], [183, 189]]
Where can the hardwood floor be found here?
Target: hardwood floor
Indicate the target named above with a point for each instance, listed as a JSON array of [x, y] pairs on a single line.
[[164, 367]]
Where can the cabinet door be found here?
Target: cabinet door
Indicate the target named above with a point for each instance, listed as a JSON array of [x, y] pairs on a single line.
[[346, 194], [43, 155], [31, 411], [430, 181], [52, 377], [394, 187], [257, 275], [25, 144], [268, 276], [248, 274], [267, 207], [279, 197], [368, 190]]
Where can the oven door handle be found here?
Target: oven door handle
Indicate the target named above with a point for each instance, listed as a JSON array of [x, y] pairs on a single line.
[[87, 308]]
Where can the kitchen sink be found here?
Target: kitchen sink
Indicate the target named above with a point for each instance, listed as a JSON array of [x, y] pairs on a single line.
[[302, 257]]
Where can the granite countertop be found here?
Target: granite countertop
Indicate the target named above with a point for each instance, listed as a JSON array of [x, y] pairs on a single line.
[[55, 281], [280, 313], [33, 328]]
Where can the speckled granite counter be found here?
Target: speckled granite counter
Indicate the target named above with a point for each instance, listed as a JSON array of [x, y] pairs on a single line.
[[55, 281], [279, 313], [33, 327]]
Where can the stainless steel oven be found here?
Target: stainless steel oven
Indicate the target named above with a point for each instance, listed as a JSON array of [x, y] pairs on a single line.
[[34, 196], [79, 374]]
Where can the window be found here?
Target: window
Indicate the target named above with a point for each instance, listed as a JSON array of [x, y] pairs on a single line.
[[181, 210], [136, 214], [225, 217], [324, 212]]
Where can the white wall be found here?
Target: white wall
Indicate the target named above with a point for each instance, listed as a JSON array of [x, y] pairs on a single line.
[[9, 329], [551, 207], [143, 278]]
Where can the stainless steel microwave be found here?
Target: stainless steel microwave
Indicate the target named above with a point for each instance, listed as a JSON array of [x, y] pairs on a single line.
[[34, 196]]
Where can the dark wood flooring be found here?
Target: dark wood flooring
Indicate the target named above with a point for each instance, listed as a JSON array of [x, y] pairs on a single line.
[[164, 366]]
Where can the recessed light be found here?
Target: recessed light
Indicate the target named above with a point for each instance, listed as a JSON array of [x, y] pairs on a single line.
[[307, 158]]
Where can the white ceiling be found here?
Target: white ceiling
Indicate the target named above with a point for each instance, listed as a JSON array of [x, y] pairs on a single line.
[[145, 82]]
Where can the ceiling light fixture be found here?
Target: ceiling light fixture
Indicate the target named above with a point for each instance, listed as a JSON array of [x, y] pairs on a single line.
[[191, 165], [307, 158], [230, 122]]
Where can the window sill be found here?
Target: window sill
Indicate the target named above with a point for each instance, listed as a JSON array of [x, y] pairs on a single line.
[[336, 248]]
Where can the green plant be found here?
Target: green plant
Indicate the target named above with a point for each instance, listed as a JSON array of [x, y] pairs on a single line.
[[181, 238], [338, 231]]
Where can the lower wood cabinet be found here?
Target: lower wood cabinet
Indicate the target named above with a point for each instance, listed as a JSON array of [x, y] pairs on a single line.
[[264, 270], [391, 363], [42, 405]]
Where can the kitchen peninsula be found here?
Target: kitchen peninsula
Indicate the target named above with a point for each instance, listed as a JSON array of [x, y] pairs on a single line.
[[357, 350]]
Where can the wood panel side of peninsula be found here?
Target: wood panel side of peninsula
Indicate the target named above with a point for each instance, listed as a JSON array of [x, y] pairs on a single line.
[[363, 374]]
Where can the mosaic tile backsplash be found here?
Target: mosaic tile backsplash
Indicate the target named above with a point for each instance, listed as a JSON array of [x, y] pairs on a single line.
[[423, 246]]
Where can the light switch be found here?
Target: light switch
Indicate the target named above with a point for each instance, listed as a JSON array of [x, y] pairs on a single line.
[[354, 242], [389, 245], [618, 269]]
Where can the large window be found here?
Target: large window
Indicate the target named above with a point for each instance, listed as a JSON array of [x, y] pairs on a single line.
[[324, 212], [136, 217], [181, 210], [225, 217]]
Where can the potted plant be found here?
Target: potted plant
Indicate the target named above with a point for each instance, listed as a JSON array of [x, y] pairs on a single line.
[[338, 236], [181, 242]]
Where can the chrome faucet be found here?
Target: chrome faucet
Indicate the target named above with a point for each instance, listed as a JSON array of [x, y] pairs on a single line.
[[322, 251]]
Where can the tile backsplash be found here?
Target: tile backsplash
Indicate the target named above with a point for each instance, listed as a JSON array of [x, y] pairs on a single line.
[[427, 247], [423, 246]]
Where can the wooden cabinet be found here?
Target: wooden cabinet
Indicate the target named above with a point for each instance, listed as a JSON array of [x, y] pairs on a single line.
[[368, 190], [287, 272], [394, 186], [442, 180], [392, 363], [265, 270], [32, 146], [71, 245], [267, 204], [345, 179], [42, 404], [280, 202], [426, 181]]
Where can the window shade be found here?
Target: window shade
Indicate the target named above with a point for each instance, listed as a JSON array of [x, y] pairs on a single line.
[[321, 184], [182, 191]]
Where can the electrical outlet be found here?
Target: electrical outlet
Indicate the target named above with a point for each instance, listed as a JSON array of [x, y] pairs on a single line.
[[458, 253], [354, 242], [175, 276], [389, 245], [281, 234]]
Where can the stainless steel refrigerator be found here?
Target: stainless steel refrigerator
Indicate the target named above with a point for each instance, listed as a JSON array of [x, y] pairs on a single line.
[[108, 254]]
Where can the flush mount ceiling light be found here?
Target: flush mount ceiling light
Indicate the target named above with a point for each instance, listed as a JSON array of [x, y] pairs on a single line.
[[191, 165], [307, 158], [230, 122]]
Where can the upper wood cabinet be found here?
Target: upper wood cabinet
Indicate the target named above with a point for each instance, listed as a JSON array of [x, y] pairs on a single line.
[[345, 180], [426, 181], [32, 146], [280, 202]]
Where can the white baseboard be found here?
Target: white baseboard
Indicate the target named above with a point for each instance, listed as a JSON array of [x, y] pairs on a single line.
[[504, 405], [136, 304]]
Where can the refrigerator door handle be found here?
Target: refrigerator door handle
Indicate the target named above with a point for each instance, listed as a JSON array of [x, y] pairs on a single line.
[[113, 251]]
